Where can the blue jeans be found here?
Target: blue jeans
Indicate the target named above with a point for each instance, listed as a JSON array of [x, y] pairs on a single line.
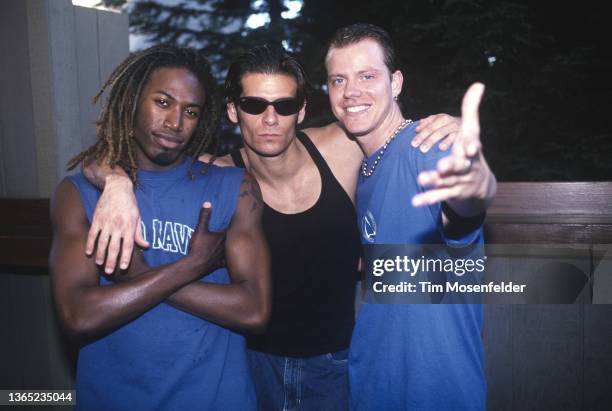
[[317, 383]]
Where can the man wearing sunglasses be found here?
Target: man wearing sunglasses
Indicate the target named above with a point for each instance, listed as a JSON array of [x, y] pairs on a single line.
[[308, 181]]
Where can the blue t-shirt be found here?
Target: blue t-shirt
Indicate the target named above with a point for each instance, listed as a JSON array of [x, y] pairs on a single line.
[[412, 356], [167, 359]]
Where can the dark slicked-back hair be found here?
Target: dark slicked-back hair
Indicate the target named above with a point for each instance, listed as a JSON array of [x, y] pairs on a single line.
[[114, 128], [266, 59], [355, 33]]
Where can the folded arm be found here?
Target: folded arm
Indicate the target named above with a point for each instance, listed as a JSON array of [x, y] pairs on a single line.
[[87, 309], [245, 304]]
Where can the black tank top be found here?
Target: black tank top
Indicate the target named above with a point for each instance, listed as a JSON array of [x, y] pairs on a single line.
[[314, 271]]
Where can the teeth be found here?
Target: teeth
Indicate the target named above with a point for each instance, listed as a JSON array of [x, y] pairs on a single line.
[[356, 109]]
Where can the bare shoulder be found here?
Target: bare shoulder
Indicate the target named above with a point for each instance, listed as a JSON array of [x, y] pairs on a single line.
[[250, 203], [67, 210], [331, 135], [341, 153], [332, 141], [70, 225], [225, 161]]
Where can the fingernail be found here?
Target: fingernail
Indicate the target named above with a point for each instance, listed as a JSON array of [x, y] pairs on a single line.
[[414, 143], [123, 266], [107, 270], [416, 202], [207, 204], [424, 148]]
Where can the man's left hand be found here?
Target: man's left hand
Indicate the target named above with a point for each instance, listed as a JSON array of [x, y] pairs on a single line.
[[464, 174]]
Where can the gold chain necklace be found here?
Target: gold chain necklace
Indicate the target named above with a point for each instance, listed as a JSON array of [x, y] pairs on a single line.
[[364, 165]]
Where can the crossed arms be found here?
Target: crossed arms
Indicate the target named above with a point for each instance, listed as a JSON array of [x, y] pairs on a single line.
[[88, 310]]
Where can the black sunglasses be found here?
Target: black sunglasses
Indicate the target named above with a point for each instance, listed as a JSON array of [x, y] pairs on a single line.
[[257, 105]]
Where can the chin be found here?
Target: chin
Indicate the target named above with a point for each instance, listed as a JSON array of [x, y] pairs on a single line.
[[355, 127], [166, 158], [268, 150], [357, 131]]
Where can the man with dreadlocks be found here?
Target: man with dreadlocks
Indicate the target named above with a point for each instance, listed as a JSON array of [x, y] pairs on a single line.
[[159, 336]]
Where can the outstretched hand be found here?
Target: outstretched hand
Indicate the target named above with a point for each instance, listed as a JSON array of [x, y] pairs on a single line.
[[115, 226], [464, 174]]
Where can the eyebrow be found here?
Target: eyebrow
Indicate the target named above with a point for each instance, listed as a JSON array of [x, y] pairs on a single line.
[[367, 70], [171, 97]]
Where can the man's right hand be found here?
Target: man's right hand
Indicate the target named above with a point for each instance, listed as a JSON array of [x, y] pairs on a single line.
[[115, 225]]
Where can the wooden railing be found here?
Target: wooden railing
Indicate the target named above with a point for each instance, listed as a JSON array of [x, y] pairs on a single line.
[[522, 213], [25, 234], [551, 213]]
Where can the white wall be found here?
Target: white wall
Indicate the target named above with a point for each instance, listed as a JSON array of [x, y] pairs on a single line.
[[53, 59], [55, 56]]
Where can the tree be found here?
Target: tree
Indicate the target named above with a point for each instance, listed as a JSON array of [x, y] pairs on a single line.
[[542, 74]]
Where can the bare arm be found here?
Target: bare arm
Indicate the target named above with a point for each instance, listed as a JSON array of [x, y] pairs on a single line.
[[244, 304], [87, 309]]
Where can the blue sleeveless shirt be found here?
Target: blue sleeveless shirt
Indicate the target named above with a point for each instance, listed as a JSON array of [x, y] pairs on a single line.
[[167, 359]]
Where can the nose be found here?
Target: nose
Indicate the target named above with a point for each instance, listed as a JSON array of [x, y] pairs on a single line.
[[351, 89], [174, 120], [270, 117]]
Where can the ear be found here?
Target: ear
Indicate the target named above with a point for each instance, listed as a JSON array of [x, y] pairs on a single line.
[[302, 113], [232, 113], [397, 79]]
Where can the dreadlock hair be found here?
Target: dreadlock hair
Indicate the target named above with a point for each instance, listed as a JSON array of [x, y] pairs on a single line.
[[115, 143]]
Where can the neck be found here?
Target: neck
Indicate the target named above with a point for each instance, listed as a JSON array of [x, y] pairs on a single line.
[[374, 140], [278, 169], [146, 164]]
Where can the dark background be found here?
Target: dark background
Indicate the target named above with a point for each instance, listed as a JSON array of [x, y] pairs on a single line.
[[544, 115]]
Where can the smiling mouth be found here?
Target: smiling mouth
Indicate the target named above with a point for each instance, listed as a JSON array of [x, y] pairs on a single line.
[[357, 109]]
